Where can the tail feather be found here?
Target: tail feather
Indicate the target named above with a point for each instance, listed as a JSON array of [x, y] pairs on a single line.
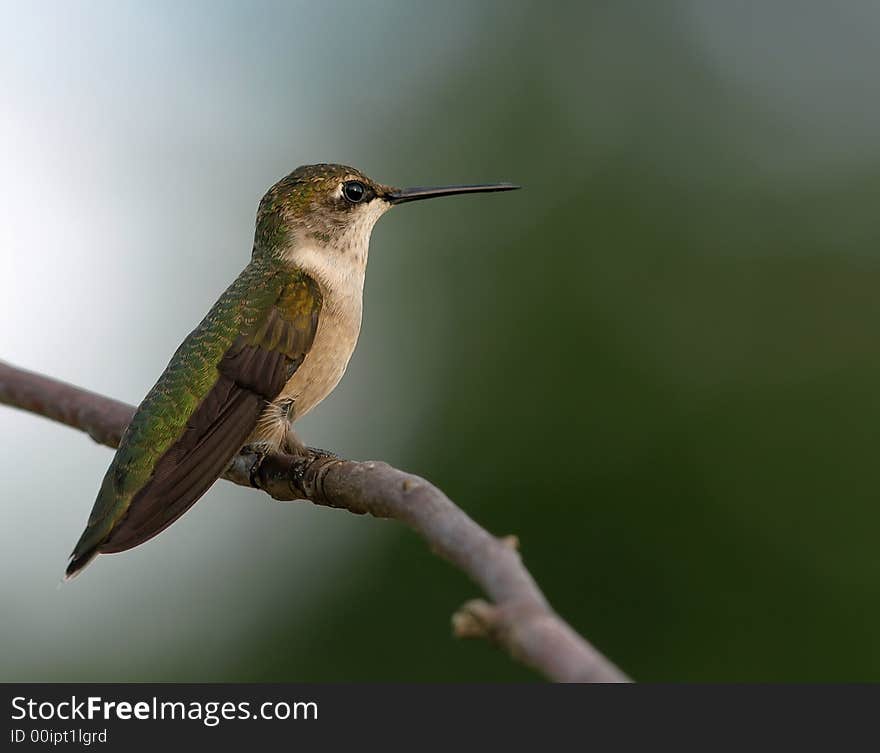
[[78, 562]]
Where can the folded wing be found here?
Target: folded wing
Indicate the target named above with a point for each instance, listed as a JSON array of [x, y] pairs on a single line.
[[250, 373]]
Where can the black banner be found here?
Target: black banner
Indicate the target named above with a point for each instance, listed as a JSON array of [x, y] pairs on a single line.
[[142, 717]]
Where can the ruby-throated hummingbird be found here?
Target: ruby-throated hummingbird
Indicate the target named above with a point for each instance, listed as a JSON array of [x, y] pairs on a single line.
[[275, 344]]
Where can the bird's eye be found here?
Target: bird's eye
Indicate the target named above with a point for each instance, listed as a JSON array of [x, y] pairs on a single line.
[[354, 191]]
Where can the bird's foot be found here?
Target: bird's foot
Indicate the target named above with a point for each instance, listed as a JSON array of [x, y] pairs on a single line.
[[260, 453], [309, 462], [322, 453]]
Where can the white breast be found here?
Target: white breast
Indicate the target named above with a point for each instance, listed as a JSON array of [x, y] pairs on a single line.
[[339, 269], [338, 328]]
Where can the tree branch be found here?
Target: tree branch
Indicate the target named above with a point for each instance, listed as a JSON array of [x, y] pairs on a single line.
[[519, 619]]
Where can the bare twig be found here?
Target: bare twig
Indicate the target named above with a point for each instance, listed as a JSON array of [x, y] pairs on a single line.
[[519, 619]]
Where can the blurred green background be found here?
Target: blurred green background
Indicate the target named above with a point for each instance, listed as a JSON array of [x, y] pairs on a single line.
[[657, 364]]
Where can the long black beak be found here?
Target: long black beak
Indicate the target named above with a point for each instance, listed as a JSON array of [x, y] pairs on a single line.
[[402, 195]]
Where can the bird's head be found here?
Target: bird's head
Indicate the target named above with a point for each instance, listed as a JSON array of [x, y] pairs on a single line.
[[327, 212]]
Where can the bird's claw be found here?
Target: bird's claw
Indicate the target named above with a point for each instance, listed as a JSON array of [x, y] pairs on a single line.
[[254, 472], [323, 453]]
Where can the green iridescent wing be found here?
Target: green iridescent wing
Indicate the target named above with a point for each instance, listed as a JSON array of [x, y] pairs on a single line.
[[203, 408]]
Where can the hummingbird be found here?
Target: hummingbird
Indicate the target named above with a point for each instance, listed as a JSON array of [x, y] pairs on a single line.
[[274, 345]]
